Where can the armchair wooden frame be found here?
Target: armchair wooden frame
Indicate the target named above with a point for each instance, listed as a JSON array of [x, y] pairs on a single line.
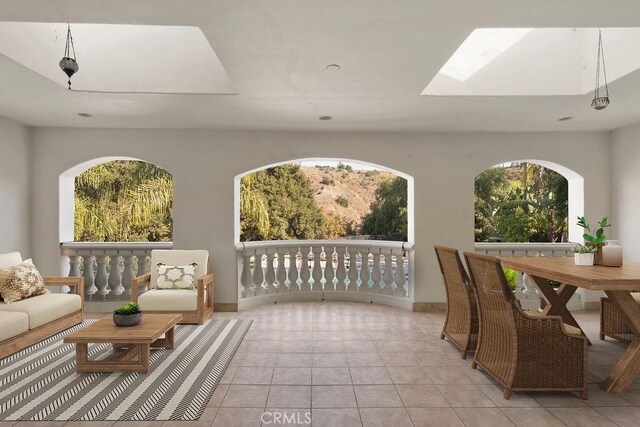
[[204, 309], [32, 336]]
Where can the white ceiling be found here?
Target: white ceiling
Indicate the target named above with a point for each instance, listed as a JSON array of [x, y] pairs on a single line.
[[275, 53], [120, 58]]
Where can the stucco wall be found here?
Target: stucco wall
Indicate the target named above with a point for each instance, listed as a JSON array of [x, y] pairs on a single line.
[[626, 189], [204, 164], [15, 170]]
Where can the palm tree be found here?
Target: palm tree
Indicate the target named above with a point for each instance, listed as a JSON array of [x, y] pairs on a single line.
[[117, 201]]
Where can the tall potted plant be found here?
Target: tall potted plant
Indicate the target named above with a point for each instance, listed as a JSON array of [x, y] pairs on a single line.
[[596, 239]]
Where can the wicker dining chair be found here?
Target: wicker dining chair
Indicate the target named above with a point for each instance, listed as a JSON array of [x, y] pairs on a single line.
[[613, 323], [523, 352], [461, 322]]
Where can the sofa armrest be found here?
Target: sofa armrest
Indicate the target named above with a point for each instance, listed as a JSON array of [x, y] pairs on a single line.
[[205, 282], [76, 282], [136, 283]]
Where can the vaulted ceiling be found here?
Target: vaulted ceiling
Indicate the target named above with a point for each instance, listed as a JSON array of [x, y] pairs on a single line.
[[275, 53]]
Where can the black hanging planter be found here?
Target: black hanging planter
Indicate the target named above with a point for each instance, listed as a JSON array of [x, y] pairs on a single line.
[[68, 64]]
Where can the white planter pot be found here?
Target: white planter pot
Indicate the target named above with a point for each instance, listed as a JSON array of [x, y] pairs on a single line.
[[583, 259]]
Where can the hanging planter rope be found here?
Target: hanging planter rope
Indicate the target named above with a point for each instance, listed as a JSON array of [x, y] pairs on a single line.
[[69, 64], [600, 100]]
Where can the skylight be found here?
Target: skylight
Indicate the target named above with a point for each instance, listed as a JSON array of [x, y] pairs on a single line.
[[120, 58], [480, 48], [534, 62]]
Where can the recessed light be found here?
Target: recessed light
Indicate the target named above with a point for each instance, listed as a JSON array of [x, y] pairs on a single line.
[[334, 67], [325, 118], [564, 119], [84, 115]]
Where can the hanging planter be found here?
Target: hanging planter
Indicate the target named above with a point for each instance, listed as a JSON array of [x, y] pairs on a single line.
[[68, 64], [600, 99]]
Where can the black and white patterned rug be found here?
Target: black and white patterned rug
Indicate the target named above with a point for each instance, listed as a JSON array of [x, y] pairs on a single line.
[[40, 382]]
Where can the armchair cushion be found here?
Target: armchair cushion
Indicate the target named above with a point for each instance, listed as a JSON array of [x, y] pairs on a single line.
[[178, 257], [20, 281], [176, 276], [45, 308], [10, 259], [169, 300]]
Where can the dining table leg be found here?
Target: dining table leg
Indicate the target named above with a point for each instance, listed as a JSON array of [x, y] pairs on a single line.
[[557, 300], [628, 367]]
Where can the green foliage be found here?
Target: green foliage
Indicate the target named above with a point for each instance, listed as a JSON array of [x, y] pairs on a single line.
[[128, 308], [342, 201], [284, 195], [389, 210], [327, 181], [584, 249], [512, 277], [123, 201], [599, 236], [521, 203]]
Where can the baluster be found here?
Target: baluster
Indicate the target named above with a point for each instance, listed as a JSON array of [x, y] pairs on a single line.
[[128, 274], [142, 264], [246, 280], [341, 272], [258, 274], [365, 275], [101, 274], [305, 272], [270, 277], [74, 265], [329, 271], [115, 276], [353, 269], [378, 284], [400, 278], [387, 276], [293, 270], [281, 274], [316, 272], [89, 278]]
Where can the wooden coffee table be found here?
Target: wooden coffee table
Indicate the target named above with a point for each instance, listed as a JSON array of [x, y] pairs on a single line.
[[135, 342]]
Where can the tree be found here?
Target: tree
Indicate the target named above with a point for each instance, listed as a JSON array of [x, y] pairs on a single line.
[[123, 201], [292, 210], [521, 203], [388, 215]]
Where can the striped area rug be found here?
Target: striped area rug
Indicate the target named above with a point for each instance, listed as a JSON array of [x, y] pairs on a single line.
[[40, 382]]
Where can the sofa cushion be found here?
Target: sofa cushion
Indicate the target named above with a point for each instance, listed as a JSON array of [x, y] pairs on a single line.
[[20, 281], [12, 324], [169, 300], [10, 259], [45, 308]]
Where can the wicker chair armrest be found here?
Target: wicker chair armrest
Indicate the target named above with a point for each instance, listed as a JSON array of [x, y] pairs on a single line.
[[546, 325]]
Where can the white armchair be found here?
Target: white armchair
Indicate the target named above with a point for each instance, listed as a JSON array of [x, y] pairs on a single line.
[[195, 305]]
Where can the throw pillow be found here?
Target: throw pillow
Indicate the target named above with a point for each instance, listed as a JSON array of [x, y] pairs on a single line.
[[21, 281], [176, 276]]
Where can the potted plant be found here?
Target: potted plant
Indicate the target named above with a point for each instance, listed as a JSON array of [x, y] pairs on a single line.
[[583, 254], [597, 239], [128, 314]]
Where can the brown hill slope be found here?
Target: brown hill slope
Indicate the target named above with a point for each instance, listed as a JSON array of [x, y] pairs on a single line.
[[357, 187]]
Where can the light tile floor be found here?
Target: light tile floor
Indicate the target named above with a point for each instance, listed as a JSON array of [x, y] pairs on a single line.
[[352, 364]]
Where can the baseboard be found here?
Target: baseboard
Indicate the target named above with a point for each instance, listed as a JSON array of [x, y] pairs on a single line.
[[430, 307], [225, 307]]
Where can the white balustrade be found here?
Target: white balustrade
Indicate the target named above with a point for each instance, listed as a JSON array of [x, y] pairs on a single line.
[[323, 266], [109, 268]]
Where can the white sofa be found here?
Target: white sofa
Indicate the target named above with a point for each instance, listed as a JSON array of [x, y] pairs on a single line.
[[25, 322]]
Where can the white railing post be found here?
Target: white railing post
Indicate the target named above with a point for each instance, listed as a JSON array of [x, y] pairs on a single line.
[[365, 275], [270, 277], [115, 276], [341, 271], [316, 272], [89, 278], [329, 269], [400, 279], [387, 276], [281, 274], [305, 274], [102, 278]]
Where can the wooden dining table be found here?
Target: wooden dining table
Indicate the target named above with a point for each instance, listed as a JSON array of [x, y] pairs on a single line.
[[616, 282]]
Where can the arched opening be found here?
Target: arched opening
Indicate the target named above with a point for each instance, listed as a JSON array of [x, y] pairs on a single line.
[[528, 201], [302, 254], [116, 199], [328, 199]]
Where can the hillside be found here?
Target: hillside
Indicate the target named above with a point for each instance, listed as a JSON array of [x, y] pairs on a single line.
[[353, 188]]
